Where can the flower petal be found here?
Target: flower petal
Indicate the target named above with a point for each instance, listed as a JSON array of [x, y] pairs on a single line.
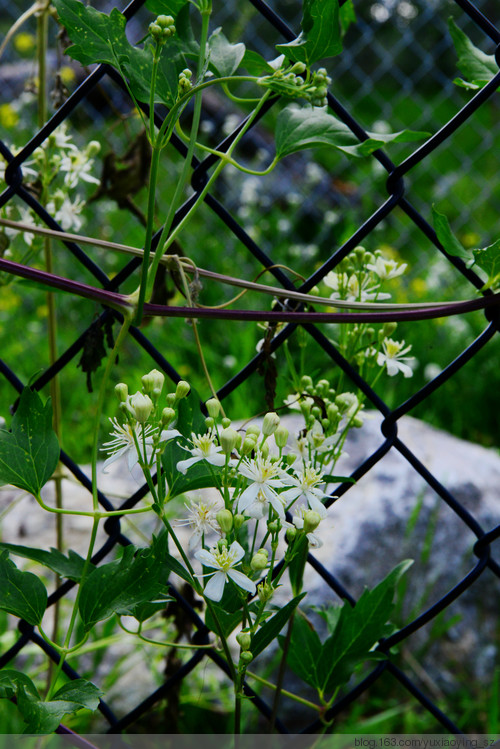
[[183, 465], [206, 558], [215, 586], [242, 581]]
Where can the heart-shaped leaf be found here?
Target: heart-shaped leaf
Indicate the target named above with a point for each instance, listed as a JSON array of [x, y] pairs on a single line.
[[320, 36], [21, 593], [29, 453]]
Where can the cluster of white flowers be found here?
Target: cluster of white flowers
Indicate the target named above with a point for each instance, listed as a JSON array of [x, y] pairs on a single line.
[[358, 278], [56, 169], [259, 477]]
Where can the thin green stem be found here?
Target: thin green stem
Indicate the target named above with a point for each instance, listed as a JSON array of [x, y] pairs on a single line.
[[284, 692], [153, 178]]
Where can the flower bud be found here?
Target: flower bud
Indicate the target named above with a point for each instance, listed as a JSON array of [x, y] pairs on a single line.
[[152, 381], [281, 436], [344, 401], [225, 520], [121, 390], [228, 440], [357, 421], [244, 639], [226, 422], [332, 413], [274, 526], [222, 544], [247, 446], [238, 521], [140, 406], [388, 329], [264, 450], [246, 657], [213, 407], [167, 415], [306, 382], [290, 459], [259, 561], [265, 592], [311, 521], [209, 422], [171, 399], [290, 534], [253, 429], [298, 68], [182, 389], [93, 149]]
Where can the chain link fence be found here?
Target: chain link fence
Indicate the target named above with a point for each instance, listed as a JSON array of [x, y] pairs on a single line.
[[397, 69]]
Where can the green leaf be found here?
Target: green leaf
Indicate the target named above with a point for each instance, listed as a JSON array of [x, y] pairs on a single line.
[[304, 651], [488, 259], [298, 562], [320, 35], [477, 67], [228, 620], [11, 680], [347, 16], [255, 63], [357, 631], [298, 129], [44, 717], [101, 38], [271, 629], [29, 453], [138, 577], [165, 7], [446, 236], [70, 566], [143, 611], [96, 36], [21, 593], [225, 57]]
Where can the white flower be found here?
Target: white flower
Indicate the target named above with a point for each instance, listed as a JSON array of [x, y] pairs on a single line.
[[202, 518], [66, 212], [204, 449], [123, 443], [224, 560], [264, 478], [77, 166], [393, 357], [349, 288], [386, 269], [305, 485]]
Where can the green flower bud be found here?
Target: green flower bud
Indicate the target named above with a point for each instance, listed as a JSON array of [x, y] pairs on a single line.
[[153, 381], [226, 422], [325, 423], [228, 440], [311, 521], [244, 639], [290, 459], [265, 450], [247, 446], [323, 387], [213, 407], [388, 329], [274, 526], [290, 534], [357, 421], [306, 382], [209, 422], [121, 391], [225, 520], [167, 415], [259, 561], [93, 148], [140, 406], [281, 436], [182, 389], [345, 401], [238, 521], [246, 657], [253, 429], [316, 412], [171, 399], [265, 592], [298, 68], [164, 21], [222, 544], [333, 413]]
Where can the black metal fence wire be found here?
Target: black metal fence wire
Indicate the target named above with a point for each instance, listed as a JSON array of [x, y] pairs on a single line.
[[398, 195]]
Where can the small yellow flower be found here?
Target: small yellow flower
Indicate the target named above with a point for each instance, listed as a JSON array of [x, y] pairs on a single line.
[[67, 75], [9, 118], [24, 42]]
